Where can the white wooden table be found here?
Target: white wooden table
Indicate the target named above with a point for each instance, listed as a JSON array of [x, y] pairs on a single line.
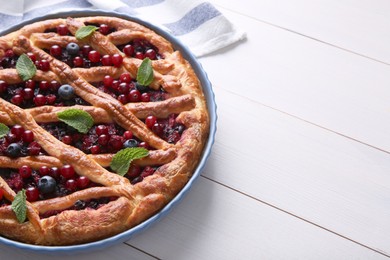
[[301, 164]]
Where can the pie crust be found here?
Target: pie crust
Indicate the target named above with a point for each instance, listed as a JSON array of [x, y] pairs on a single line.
[[134, 203]]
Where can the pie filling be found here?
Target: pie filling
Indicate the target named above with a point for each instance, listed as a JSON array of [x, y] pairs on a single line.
[[80, 57], [45, 182], [140, 49], [91, 204], [126, 90], [19, 142], [100, 139], [31, 93], [8, 60]]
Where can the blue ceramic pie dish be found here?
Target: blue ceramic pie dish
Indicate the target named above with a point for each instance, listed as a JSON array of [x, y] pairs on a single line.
[[208, 92]]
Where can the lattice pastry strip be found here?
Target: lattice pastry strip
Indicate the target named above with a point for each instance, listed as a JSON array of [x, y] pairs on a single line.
[[130, 203]]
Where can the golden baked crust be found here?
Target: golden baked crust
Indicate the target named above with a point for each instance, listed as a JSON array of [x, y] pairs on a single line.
[[134, 203]]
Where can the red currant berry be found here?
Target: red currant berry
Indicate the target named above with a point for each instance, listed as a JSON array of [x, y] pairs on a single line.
[[9, 53], [147, 171], [123, 88], [71, 185], [44, 85], [62, 29], [44, 170], [67, 139], [32, 194], [115, 142], [11, 138], [17, 100], [32, 56], [55, 51], [85, 50], [115, 84], [145, 97], [107, 80], [106, 60], [25, 171], [82, 182], [67, 171], [28, 136], [3, 86], [125, 78], [117, 60], [139, 55], [28, 93], [128, 135], [78, 62], [144, 145], [55, 85], [103, 139], [29, 84], [158, 129], [39, 100], [94, 56], [151, 54], [134, 171], [34, 149], [55, 172], [101, 130], [104, 29], [122, 98], [51, 99], [150, 121], [17, 130], [128, 50], [95, 149], [44, 65], [134, 95]]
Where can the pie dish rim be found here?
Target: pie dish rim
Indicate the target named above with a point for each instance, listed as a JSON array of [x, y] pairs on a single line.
[[211, 107]]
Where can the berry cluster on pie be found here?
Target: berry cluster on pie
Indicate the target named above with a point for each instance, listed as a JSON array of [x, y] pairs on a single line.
[[102, 123]]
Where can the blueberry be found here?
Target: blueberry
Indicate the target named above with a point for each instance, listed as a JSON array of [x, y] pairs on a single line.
[[141, 88], [72, 48], [180, 128], [14, 150], [130, 143], [66, 92], [93, 204], [80, 204], [46, 184]]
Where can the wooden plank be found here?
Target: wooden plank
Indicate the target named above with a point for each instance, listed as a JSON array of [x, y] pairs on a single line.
[[120, 251], [358, 26], [214, 222], [320, 176], [327, 86]]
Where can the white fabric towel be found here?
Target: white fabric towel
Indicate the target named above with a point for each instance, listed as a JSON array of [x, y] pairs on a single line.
[[196, 23]]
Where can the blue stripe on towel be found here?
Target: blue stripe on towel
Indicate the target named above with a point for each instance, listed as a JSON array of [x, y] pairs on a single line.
[[126, 10], [141, 3], [51, 8], [193, 19]]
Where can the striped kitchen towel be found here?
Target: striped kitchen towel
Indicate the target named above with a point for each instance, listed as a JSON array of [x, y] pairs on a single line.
[[197, 23]]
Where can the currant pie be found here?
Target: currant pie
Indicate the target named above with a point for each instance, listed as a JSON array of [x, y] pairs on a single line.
[[59, 184]]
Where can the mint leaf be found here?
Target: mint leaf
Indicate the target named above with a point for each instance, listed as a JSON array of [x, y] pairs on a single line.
[[3, 130], [19, 206], [85, 31], [121, 161], [25, 67], [145, 72], [76, 118]]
